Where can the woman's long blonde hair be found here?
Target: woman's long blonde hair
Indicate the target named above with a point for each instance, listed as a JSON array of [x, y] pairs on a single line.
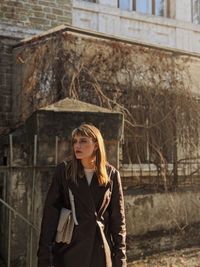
[[76, 169]]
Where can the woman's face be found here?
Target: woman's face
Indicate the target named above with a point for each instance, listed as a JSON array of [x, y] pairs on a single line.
[[84, 147]]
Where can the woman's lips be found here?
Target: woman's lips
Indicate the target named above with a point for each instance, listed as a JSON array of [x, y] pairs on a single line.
[[78, 152]]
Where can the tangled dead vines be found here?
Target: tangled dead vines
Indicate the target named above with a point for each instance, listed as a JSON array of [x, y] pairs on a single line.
[[147, 85]]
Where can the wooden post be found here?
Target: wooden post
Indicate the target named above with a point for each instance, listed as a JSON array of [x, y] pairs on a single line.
[[56, 151], [9, 212], [33, 201], [11, 149]]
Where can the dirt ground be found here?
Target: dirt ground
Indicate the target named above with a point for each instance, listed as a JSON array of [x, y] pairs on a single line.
[[182, 258]]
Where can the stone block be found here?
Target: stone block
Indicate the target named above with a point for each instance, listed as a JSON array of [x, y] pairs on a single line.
[[57, 11], [7, 9], [64, 2], [37, 8], [67, 13], [39, 21], [55, 23], [38, 14], [64, 19], [51, 17], [47, 10], [46, 3], [15, 3], [12, 16]]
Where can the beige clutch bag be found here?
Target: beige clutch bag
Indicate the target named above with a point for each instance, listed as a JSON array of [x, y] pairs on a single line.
[[66, 222], [65, 226]]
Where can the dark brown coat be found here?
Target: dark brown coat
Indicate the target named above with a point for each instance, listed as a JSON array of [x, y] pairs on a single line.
[[99, 239]]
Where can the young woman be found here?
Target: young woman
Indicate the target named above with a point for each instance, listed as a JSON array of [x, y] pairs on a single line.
[[99, 238]]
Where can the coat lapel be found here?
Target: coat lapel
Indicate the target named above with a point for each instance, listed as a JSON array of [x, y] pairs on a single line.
[[82, 193], [100, 193], [95, 197]]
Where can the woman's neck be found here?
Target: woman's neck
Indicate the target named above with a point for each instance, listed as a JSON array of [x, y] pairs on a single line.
[[88, 164]]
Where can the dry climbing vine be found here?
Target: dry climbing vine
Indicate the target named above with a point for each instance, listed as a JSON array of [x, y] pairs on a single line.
[[147, 85]]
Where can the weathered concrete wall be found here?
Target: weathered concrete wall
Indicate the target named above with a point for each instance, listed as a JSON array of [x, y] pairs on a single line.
[[165, 211], [47, 134], [159, 222], [48, 124], [155, 222], [27, 199]]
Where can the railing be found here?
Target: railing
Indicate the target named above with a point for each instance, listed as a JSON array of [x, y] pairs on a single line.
[[12, 211], [9, 215]]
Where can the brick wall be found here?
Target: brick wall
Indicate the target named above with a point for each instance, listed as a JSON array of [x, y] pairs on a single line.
[[35, 14], [20, 19], [5, 82]]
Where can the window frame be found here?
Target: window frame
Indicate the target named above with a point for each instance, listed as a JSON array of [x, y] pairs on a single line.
[[133, 7], [130, 7]]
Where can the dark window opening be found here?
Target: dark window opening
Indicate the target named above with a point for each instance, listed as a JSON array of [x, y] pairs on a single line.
[[196, 11]]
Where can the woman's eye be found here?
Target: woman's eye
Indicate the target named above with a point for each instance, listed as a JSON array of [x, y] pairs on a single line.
[[80, 141]]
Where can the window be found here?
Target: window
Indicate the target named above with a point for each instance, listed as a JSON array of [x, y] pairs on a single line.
[[143, 6], [159, 8], [142, 146], [149, 7], [124, 4], [196, 11], [152, 135]]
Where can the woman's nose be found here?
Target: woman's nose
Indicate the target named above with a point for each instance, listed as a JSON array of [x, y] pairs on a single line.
[[78, 144]]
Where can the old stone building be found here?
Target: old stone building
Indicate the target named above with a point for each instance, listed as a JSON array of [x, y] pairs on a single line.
[[168, 23], [139, 60], [73, 63], [174, 24]]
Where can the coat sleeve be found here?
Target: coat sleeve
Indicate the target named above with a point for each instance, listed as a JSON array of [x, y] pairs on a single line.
[[117, 222], [53, 203]]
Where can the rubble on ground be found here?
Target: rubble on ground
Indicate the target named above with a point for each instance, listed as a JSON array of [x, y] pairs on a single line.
[[189, 257]]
